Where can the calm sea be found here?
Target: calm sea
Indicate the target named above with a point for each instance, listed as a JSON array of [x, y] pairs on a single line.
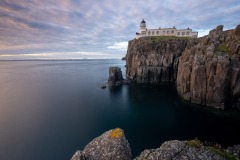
[[50, 109]]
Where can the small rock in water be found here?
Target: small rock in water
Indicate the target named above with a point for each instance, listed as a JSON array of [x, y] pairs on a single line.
[[103, 86]]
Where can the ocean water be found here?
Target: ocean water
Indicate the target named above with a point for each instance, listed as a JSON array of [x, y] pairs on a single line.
[[50, 109]]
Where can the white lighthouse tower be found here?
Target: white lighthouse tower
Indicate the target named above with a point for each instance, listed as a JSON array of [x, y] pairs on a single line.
[[143, 30], [143, 27]]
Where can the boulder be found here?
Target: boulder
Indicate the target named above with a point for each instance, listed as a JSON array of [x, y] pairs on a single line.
[[113, 145], [110, 145]]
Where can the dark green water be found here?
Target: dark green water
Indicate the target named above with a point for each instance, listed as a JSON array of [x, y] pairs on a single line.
[[50, 109]]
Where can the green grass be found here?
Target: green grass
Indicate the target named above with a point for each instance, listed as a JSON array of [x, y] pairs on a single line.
[[195, 143], [224, 48], [159, 38], [222, 153]]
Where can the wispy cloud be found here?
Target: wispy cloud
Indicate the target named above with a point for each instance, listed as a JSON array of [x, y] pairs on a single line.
[[121, 46], [101, 26], [59, 55]]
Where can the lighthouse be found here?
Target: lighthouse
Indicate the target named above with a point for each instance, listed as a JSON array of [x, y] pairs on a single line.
[[143, 27], [144, 32]]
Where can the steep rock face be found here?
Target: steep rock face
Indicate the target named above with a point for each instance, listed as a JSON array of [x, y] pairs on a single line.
[[154, 60], [110, 145], [205, 70], [208, 73]]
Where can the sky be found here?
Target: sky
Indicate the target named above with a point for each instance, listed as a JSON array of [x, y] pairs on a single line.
[[99, 29]]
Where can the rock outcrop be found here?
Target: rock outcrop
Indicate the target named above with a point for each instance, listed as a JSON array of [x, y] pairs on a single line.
[[179, 150], [110, 145], [115, 76], [208, 73], [205, 70], [154, 60]]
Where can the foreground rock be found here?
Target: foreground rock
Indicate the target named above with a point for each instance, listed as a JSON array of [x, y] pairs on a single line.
[[112, 145], [115, 76], [205, 70], [187, 150]]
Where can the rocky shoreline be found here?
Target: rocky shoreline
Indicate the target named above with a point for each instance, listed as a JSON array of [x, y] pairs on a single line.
[[113, 145], [204, 70]]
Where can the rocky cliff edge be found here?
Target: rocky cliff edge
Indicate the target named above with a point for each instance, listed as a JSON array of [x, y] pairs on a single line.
[[205, 70]]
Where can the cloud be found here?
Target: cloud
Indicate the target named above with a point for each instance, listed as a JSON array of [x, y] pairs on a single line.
[[101, 26], [120, 46], [60, 55]]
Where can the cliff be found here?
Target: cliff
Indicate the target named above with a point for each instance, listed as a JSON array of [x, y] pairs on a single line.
[[205, 70], [154, 59], [114, 145], [208, 73]]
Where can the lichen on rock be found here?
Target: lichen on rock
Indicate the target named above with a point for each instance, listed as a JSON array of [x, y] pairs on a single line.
[[116, 133], [110, 145], [113, 145]]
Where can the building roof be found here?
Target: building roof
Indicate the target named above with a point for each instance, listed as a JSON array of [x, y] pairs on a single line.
[[143, 21]]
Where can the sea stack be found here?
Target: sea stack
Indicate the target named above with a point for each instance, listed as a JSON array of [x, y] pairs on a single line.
[[115, 76]]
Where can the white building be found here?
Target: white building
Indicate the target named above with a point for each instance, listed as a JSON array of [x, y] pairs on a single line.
[[165, 32]]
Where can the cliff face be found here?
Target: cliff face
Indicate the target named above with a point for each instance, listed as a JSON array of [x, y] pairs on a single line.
[[154, 60], [205, 70], [208, 73]]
